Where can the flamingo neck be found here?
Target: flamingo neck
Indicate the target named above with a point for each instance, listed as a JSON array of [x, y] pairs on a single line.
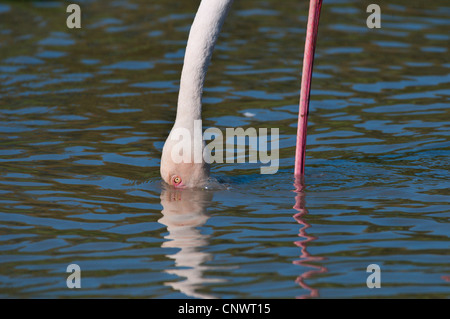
[[200, 45]]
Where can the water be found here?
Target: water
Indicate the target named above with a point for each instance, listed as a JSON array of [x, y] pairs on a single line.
[[83, 117]]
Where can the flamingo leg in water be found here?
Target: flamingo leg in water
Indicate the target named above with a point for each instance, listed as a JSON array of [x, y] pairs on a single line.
[[308, 60]]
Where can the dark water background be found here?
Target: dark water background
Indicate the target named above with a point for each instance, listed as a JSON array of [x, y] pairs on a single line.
[[83, 117]]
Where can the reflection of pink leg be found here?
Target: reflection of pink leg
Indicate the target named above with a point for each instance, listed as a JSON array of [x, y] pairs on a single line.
[[306, 258]]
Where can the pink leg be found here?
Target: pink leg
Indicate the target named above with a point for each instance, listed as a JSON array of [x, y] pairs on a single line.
[[308, 60]]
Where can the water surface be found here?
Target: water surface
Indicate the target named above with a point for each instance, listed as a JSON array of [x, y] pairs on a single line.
[[84, 114]]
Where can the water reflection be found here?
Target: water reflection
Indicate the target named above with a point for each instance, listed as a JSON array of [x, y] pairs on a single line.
[[306, 259], [184, 211]]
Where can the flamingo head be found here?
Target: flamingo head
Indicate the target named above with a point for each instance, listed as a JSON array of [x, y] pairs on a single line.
[[182, 175]]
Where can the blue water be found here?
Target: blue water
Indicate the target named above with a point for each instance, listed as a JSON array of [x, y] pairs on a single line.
[[84, 115]]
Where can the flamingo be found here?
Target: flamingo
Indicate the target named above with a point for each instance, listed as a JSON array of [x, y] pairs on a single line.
[[202, 38]]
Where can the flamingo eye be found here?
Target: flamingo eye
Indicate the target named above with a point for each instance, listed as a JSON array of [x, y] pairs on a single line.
[[176, 180]]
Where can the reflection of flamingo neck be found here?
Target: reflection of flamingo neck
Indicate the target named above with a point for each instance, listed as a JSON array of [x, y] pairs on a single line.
[[184, 211], [202, 38]]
